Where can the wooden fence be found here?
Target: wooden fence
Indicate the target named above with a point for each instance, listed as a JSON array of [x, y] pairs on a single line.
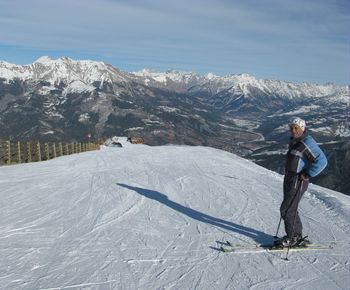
[[25, 152]]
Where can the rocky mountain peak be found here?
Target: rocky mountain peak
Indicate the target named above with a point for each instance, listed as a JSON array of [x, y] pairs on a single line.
[[44, 60]]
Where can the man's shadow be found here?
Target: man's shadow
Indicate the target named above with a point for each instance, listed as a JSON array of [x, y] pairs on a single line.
[[258, 236]]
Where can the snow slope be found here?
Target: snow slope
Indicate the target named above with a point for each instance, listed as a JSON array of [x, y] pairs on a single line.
[[142, 217]]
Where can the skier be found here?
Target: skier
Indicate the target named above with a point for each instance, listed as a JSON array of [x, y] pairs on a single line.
[[304, 159]]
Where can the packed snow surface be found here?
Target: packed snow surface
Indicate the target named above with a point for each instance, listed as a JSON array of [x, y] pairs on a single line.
[[142, 217]]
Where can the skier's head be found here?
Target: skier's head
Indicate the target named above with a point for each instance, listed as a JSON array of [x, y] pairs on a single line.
[[298, 122], [297, 127]]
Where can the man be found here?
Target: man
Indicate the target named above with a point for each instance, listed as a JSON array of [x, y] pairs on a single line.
[[305, 159]]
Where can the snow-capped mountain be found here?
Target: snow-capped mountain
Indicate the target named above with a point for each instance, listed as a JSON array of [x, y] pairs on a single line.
[[85, 72], [247, 85], [63, 70], [65, 99], [142, 217]]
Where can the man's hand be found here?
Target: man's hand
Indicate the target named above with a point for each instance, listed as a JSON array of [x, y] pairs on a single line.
[[304, 176]]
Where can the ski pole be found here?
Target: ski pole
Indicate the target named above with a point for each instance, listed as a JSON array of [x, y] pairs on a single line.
[[278, 228]]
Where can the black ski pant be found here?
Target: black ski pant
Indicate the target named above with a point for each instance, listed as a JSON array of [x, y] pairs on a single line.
[[293, 190]]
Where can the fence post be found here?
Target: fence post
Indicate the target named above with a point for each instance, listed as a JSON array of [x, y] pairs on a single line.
[[19, 151], [47, 153], [67, 149], [54, 150], [38, 151], [29, 154], [8, 152], [60, 148]]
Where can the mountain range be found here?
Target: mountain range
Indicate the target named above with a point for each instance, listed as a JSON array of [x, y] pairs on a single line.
[[65, 100]]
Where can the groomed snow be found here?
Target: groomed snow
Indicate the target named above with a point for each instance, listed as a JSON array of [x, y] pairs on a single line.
[[142, 217]]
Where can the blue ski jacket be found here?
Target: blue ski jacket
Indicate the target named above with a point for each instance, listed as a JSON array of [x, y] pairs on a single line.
[[305, 156]]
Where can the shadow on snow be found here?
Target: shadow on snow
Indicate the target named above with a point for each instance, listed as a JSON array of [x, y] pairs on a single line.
[[258, 236]]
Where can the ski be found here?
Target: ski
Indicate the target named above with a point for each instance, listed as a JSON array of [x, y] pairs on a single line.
[[272, 249], [239, 248]]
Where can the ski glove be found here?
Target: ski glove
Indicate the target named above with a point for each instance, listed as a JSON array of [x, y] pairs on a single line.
[[303, 176]]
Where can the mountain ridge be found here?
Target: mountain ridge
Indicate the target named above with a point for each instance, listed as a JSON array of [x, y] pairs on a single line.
[[100, 71]]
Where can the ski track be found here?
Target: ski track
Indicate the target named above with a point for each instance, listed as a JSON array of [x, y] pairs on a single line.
[[70, 224]]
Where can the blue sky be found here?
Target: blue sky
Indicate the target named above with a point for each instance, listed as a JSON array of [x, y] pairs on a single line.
[[292, 40]]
